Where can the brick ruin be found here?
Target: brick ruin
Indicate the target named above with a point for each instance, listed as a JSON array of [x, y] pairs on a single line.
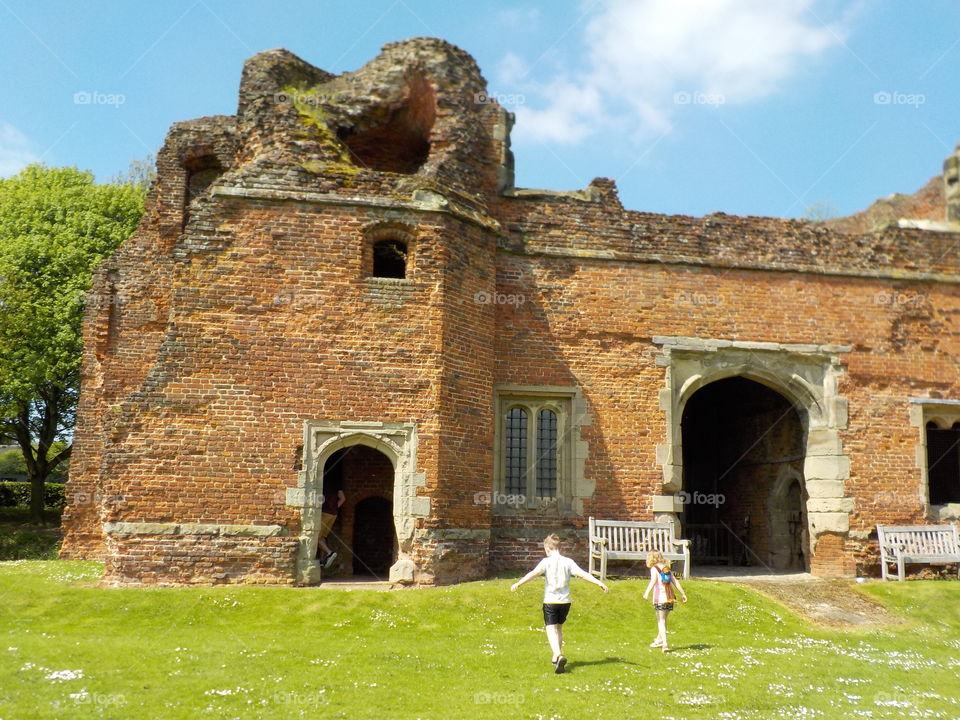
[[344, 270]]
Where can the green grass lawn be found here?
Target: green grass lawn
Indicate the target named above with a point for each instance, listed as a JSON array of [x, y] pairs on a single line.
[[71, 650]]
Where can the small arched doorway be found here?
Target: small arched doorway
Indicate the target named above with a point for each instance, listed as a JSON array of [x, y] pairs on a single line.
[[743, 496], [363, 535]]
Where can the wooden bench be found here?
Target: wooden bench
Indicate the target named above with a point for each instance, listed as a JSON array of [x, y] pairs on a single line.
[[917, 544], [624, 540]]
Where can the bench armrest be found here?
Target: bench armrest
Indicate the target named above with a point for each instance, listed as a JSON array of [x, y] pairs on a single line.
[[683, 542], [596, 540], [891, 548]]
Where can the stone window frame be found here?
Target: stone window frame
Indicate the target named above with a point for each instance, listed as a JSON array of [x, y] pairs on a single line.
[[944, 413], [570, 408], [396, 232]]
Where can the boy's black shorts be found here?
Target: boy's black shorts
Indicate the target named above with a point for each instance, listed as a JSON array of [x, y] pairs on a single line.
[[555, 613]]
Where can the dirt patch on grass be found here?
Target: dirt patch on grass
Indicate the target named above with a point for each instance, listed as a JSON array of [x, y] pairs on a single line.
[[829, 602]]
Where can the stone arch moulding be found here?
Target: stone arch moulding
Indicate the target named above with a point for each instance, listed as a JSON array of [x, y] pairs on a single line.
[[321, 438], [806, 375]]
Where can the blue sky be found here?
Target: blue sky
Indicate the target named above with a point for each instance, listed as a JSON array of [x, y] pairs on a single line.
[[759, 107]]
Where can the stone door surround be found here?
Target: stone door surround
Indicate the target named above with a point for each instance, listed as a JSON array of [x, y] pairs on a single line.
[[805, 374], [321, 438]]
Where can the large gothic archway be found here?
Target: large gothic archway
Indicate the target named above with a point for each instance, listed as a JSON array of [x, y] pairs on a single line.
[[740, 439]]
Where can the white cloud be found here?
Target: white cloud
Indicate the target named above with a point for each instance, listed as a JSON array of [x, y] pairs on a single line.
[[14, 150], [641, 55]]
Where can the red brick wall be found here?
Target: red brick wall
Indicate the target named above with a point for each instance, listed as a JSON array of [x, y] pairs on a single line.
[[590, 322]]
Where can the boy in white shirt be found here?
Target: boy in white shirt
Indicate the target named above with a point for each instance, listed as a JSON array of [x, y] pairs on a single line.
[[556, 569]]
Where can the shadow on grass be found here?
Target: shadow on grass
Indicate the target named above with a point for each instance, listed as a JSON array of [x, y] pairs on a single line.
[[21, 539], [574, 664]]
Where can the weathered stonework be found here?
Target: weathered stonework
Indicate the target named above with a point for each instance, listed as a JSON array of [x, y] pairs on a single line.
[[244, 335]]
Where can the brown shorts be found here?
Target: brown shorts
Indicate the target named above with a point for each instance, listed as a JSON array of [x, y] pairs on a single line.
[[663, 607], [326, 523]]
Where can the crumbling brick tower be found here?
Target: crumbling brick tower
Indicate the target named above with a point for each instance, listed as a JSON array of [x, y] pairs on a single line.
[[303, 282]]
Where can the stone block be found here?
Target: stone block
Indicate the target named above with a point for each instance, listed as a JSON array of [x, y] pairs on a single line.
[[827, 467], [403, 571], [824, 488], [133, 528], [830, 505], [830, 522], [198, 529], [823, 441], [672, 478], [839, 412], [666, 399], [300, 497], [667, 504]]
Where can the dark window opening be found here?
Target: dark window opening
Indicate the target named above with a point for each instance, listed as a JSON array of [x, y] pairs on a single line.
[[943, 464], [390, 259], [516, 452], [546, 454], [201, 174]]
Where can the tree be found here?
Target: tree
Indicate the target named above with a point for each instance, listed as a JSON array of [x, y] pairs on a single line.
[[141, 173], [818, 211], [56, 225], [11, 463]]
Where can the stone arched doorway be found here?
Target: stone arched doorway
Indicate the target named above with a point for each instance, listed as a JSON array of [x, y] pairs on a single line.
[[808, 378], [738, 438], [390, 475]]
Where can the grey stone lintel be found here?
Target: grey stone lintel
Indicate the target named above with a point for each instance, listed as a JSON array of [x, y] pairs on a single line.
[[148, 528]]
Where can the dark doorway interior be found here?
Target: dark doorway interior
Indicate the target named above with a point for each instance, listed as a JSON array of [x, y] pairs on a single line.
[[363, 535], [743, 452], [373, 534]]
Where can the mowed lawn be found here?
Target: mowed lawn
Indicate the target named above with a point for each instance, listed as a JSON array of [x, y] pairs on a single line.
[[69, 649]]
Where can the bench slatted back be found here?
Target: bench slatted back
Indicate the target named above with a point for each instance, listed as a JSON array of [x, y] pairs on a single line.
[[634, 536], [921, 540]]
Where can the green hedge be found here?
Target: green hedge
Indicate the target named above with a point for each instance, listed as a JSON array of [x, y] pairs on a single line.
[[17, 494]]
